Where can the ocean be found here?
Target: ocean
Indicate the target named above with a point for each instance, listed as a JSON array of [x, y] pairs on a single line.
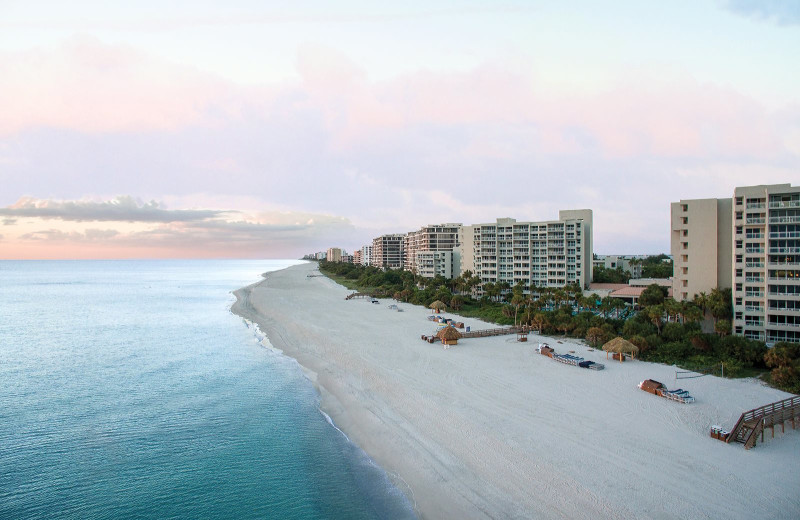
[[129, 390]]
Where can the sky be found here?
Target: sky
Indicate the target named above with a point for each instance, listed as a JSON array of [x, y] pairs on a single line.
[[263, 129]]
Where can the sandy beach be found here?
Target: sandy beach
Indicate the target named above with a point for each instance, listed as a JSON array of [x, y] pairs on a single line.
[[491, 429]]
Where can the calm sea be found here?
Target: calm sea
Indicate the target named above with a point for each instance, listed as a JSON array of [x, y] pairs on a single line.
[[129, 390]]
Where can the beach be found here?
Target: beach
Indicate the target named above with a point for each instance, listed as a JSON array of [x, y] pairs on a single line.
[[492, 429]]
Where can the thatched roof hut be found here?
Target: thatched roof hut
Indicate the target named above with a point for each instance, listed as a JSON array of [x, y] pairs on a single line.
[[621, 346], [449, 335], [437, 306]]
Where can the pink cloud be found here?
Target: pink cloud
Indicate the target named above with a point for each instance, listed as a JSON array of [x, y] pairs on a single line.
[[95, 87]]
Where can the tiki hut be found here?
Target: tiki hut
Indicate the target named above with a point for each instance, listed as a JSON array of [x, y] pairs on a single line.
[[437, 306], [619, 347], [449, 335]]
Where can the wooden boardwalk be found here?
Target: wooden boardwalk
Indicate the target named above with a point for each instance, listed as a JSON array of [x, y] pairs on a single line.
[[357, 295], [754, 422], [491, 332]]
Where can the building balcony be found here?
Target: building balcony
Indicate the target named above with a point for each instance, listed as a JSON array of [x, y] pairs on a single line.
[[754, 250], [790, 250], [756, 220], [756, 205], [787, 325], [779, 204], [784, 220], [753, 279], [785, 234], [754, 264]]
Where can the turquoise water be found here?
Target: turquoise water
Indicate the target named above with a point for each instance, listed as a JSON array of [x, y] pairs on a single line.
[[129, 390]]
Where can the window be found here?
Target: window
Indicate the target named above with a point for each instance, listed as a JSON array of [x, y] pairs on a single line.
[[686, 232], [684, 207]]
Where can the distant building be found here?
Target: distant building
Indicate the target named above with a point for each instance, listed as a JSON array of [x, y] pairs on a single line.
[[346, 258], [388, 251], [544, 254], [629, 264], [429, 251], [366, 255], [358, 255], [750, 243], [334, 254]]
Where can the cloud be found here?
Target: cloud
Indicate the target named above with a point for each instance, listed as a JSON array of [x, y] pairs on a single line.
[[96, 87], [136, 229], [56, 235], [780, 12], [121, 209]]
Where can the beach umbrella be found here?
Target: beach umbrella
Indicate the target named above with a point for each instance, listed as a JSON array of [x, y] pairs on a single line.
[[619, 345], [449, 335], [438, 306]]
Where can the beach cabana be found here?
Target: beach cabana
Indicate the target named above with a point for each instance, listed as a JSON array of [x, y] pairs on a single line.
[[437, 306], [620, 347], [449, 335]]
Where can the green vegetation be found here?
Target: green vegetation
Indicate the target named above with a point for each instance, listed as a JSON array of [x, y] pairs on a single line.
[[603, 275], [659, 266], [666, 331]]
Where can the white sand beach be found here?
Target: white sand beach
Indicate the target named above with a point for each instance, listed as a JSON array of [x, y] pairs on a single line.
[[491, 429]]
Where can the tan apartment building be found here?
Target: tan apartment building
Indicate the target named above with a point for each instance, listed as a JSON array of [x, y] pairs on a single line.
[[429, 251], [760, 261], [545, 254], [700, 244], [334, 254], [388, 251]]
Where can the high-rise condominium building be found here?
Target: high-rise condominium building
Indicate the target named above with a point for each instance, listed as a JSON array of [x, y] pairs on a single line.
[[388, 251], [429, 251], [544, 254], [759, 261]]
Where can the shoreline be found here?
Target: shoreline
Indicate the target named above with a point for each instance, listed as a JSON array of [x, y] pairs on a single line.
[[489, 429]]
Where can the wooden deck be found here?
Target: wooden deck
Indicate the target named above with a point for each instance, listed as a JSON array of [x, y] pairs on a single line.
[[357, 295], [754, 422], [490, 332]]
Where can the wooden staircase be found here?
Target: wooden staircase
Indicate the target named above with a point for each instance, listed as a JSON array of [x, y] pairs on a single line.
[[752, 423]]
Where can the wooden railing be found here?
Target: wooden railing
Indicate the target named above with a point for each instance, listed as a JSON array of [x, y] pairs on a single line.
[[490, 332], [753, 422]]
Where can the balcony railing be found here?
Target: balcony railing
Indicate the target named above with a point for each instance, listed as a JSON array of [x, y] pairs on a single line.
[[794, 325], [753, 279], [754, 264], [785, 234], [756, 220], [784, 220], [756, 205], [754, 309], [754, 250], [777, 204], [784, 249]]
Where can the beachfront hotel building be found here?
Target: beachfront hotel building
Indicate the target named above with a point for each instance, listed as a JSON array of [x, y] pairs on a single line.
[[429, 250], [544, 254], [388, 251], [754, 249]]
